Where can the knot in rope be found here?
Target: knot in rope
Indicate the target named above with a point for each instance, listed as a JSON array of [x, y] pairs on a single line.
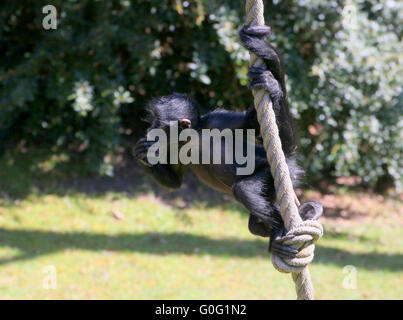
[[303, 238]]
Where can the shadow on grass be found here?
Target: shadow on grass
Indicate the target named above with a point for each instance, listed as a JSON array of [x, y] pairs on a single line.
[[24, 174], [33, 244]]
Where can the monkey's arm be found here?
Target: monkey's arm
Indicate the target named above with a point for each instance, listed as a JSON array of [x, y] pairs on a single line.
[[165, 175], [169, 176]]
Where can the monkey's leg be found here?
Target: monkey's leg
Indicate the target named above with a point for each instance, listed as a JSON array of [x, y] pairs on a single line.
[[252, 192], [265, 219]]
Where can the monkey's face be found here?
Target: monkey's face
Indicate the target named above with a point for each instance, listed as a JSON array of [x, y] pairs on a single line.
[[173, 108], [166, 125]]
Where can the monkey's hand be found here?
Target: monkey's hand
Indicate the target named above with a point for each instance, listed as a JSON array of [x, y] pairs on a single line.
[[310, 210], [271, 75], [277, 247], [141, 150]]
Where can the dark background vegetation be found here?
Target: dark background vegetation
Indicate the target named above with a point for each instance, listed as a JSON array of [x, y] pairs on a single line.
[[77, 93]]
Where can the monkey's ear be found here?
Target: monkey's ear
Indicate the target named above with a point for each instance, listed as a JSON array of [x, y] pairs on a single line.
[[310, 210], [186, 123]]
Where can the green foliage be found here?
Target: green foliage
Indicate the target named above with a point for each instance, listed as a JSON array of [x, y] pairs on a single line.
[[358, 95], [79, 90]]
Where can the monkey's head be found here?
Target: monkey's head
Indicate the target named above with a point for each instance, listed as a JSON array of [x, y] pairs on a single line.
[[174, 107]]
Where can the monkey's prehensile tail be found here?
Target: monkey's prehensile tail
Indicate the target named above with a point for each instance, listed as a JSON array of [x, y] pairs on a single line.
[[301, 234]]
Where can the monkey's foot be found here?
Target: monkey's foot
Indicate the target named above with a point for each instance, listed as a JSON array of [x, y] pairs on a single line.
[[277, 247]]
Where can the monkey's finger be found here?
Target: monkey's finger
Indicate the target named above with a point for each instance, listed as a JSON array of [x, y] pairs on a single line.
[[283, 254], [263, 79], [144, 146], [140, 154], [144, 143], [144, 155], [138, 145], [283, 251], [141, 140], [145, 163], [257, 30], [138, 149], [284, 248], [256, 70]]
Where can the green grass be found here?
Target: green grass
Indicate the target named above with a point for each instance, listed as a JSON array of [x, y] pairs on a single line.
[[160, 251]]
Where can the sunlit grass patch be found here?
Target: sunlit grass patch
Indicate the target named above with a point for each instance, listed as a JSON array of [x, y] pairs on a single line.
[[158, 251]]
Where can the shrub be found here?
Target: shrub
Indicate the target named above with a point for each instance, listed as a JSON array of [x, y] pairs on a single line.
[[79, 90]]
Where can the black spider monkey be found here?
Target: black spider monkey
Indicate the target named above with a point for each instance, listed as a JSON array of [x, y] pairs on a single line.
[[255, 191]]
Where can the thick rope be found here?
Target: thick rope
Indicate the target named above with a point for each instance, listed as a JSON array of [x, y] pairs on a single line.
[[301, 234]]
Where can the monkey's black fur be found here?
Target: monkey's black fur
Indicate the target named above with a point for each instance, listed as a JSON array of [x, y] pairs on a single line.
[[271, 77], [175, 106], [256, 191]]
